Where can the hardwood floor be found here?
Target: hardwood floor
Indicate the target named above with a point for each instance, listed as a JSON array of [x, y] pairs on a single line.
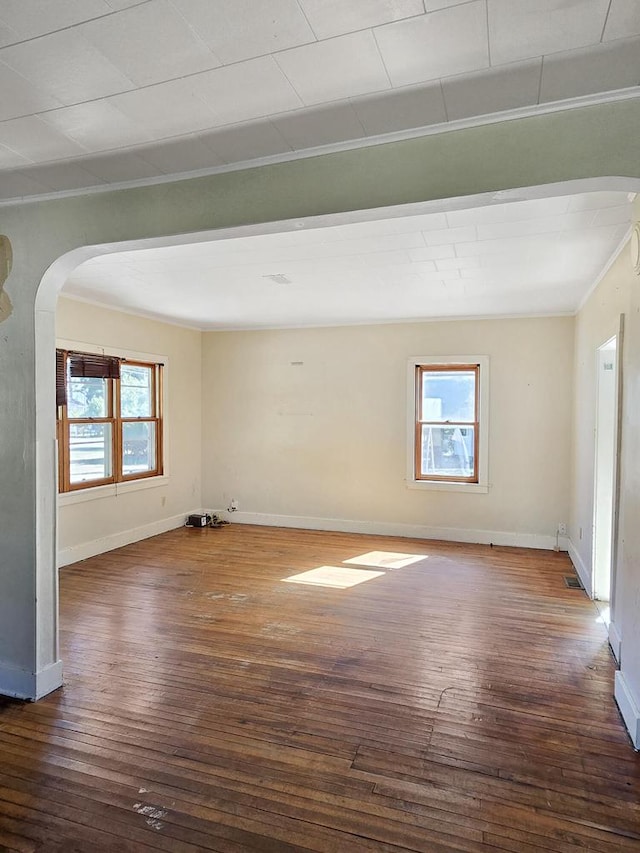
[[461, 702]]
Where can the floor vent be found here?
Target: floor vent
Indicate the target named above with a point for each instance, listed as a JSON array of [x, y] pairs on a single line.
[[573, 582]]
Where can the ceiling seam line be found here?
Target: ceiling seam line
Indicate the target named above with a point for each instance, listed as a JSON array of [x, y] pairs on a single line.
[[606, 21], [73, 26]]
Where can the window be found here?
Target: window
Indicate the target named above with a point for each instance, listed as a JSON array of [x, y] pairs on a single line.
[[109, 419], [448, 423]]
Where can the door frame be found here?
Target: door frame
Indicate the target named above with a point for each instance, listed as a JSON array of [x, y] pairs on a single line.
[[617, 333]]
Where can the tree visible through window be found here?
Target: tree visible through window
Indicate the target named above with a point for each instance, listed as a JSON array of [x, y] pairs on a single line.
[[109, 420], [447, 422]]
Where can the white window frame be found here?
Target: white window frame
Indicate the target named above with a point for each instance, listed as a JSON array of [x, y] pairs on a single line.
[[482, 486], [110, 490]]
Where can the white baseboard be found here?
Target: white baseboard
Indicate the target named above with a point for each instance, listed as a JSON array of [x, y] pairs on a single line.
[[23, 684], [629, 708], [583, 572], [411, 531], [116, 540], [615, 641]]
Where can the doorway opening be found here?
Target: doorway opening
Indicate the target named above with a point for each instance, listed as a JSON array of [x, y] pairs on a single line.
[[606, 472]]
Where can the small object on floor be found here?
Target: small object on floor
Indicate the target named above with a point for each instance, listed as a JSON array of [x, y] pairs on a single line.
[[199, 520], [216, 521]]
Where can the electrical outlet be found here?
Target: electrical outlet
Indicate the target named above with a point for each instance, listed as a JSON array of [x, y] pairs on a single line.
[[233, 505], [562, 529]]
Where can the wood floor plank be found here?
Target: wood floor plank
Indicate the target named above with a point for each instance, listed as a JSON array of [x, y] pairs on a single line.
[[460, 703]]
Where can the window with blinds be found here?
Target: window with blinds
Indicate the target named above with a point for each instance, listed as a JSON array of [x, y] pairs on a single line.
[[109, 419]]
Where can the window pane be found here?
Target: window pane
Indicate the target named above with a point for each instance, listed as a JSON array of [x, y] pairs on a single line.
[[136, 397], [87, 398], [448, 451], [138, 447], [90, 452], [448, 395]]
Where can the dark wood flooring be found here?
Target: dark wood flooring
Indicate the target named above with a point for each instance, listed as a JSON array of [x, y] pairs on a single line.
[[461, 702]]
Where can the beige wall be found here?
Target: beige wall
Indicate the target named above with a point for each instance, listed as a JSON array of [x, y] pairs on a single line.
[[618, 293], [595, 324], [627, 594], [97, 525], [327, 439]]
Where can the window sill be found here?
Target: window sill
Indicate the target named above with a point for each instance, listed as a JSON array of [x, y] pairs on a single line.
[[111, 491], [477, 488]]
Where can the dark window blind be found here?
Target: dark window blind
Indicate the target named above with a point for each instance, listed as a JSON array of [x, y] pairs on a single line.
[[94, 366], [61, 379]]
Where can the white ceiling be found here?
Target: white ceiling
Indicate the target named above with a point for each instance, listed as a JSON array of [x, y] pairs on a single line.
[[530, 257], [96, 92]]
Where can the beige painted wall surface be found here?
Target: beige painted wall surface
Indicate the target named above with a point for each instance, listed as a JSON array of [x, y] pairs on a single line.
[[627, 595], [80, 523], [595, 324], [327, 438]]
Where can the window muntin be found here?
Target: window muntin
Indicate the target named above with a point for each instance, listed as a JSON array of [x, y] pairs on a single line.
[[447, 424], [110, 430]]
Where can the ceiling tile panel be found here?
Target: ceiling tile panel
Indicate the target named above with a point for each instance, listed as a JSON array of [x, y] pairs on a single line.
[[117, 5], [542, 225], [250, 89], [457, 264], [615, 65], [37, 139], [98, 126], [167, 109], [336, 17], [506, 212], [67, 67], [31, 18], [429, 270], [242, 29], [11, 160], [595, 201], [19, 97], [493, 90], [400, 110], [623, 20], [7, 35], [432, 253], [442, 43], [521, 29], [613, 216], [189, 154], [246, 142], [450, 235], [150, 43], [342, 67], [320, 126], [522, 246], [434, 5]]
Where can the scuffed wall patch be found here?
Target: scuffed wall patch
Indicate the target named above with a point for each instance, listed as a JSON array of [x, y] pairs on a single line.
[[6, 261]]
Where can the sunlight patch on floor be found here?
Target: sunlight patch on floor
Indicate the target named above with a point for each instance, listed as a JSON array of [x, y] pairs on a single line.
[[337, 577], [386, 559]]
